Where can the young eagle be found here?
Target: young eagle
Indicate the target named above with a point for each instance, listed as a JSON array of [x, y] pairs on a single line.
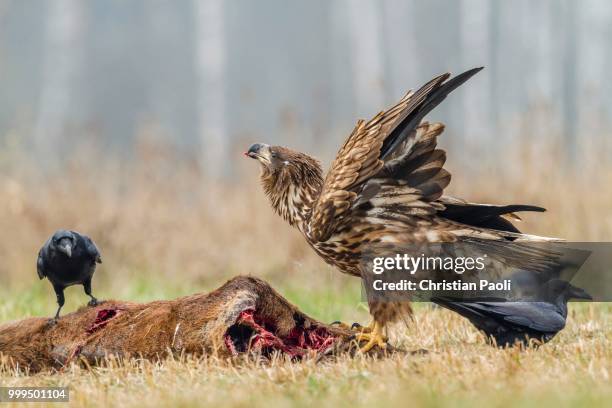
[[384, 186]]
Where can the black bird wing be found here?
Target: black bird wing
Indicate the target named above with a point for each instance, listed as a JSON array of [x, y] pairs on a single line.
[[92, 249], [40, 264], [540, 316]]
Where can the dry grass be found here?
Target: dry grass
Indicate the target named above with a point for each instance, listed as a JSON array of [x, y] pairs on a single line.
[[165, 231], [460, 370]]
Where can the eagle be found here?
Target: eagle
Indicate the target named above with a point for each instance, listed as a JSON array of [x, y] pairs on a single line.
[[386, 185]]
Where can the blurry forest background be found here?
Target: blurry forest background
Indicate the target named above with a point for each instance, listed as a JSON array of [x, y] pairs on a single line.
[[126, 120]]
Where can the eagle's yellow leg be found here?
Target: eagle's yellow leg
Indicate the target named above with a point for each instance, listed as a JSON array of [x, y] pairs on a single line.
[[373, 337]]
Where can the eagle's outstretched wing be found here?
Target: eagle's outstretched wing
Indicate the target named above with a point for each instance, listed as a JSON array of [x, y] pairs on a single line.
[[368, 164]]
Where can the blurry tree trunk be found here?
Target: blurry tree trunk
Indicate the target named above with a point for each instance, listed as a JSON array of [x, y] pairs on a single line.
[[569, 64], [476, 107], [366, 53], [4, 5], [494, 64], [62, 62], [594, 65], [342, 92], [402, 62], [451, 48], [210, 66]]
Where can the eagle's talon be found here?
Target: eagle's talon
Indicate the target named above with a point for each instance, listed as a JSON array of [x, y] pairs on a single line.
[[93, 302], [373, 338]]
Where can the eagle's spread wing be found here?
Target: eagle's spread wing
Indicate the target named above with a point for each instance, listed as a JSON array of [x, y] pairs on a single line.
[[368, 164], [357, 161]]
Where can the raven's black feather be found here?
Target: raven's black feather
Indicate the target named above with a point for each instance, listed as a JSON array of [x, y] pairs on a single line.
[[514, 322]]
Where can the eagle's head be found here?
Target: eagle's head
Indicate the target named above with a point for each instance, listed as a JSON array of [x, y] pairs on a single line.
[[282, 164], [291, 180]]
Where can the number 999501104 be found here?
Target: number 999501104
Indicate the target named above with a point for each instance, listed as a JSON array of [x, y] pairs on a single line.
[[34, 394]]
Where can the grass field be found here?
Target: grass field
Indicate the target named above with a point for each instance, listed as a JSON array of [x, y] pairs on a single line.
[[164, 233], [458, 370]]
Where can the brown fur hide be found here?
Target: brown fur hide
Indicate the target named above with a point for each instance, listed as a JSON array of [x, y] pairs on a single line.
[[243, 315]]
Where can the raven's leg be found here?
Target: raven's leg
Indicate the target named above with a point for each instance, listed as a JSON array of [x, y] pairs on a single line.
[[87, 286], [59, 293]]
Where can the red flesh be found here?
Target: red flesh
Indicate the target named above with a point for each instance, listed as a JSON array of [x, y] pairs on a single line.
[[296, 343], [102, 319]]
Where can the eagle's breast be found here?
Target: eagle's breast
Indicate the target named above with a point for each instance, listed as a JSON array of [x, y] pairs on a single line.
[[344, 249]]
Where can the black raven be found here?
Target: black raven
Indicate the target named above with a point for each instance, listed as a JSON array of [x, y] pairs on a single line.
[[68, 258], [520, 321]]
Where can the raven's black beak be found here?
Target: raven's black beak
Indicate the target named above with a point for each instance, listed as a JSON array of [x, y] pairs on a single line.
[[65, 246], [578, 293], [67, 249]]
